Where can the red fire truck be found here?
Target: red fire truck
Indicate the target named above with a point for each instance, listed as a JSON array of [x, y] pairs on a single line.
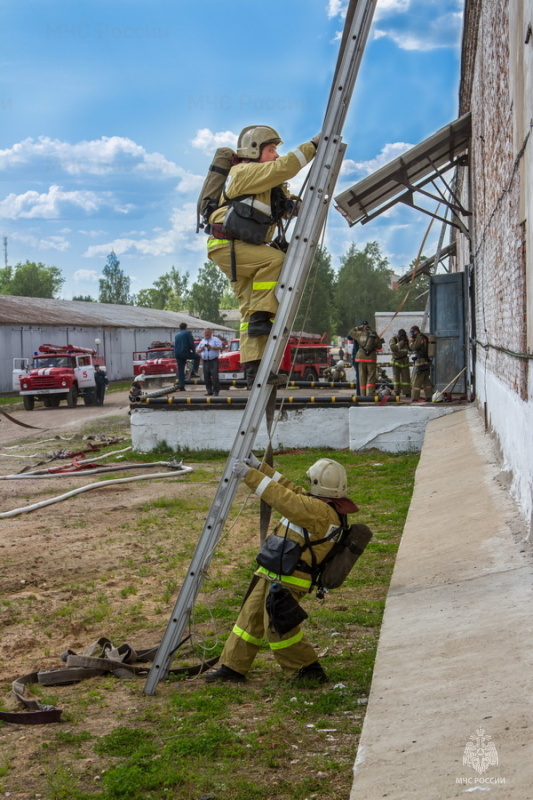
[[304, 359], [157, 363], [57, 373]]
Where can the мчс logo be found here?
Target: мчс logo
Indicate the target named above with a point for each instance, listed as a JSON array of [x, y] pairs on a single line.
[[480, 752]]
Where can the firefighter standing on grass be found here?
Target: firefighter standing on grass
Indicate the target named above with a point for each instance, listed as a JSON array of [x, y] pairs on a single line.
[[315, 514], [418, 344], [367, 343], [401, 378], [255, 200]]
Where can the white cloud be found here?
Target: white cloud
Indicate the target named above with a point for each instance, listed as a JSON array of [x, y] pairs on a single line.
[[109, 155], [336, 8], [385, 8], [58, 243], [362, 168], [57, 203], [86, 275], [207, 141], [179, 235]]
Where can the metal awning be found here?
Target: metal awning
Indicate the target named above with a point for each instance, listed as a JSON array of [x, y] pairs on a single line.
[[419, 167], [429, 265]]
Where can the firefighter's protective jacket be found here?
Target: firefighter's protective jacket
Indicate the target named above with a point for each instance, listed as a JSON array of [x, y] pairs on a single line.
[[368, 344], [299, 510], [258, 179], [400, 351], [419, 346]]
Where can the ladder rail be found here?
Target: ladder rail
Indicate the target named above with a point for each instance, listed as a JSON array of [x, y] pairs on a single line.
[[309, 225]]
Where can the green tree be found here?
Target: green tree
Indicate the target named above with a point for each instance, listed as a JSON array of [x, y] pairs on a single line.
[[169, 291], [115, 285], [85, 298], [363, 286], [411, 296], [206, 293], [31, 279], [317, 313], [228, 299]]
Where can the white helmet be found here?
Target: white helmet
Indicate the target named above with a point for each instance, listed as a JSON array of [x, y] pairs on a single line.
[[252, 138], [328, 478], [340, 364]]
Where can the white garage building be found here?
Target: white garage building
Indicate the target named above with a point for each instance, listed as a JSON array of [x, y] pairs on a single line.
[[27, 322]]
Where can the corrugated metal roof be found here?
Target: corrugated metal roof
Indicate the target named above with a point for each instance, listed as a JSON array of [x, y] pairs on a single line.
[[42, 311], [396, 181]]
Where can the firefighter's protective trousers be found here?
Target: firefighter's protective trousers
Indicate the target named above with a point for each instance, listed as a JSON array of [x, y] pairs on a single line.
[[292, 651], [258, 271]]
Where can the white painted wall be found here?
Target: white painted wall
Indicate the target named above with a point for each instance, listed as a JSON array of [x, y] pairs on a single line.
[[395, 429], [389, 428], [510, 419]]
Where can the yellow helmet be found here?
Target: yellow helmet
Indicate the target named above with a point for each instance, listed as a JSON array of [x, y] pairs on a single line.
[[328, 478], [252, 138]]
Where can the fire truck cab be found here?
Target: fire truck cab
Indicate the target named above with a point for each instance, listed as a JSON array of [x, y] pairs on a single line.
[[305, 357], [57, 373], [156, 364]]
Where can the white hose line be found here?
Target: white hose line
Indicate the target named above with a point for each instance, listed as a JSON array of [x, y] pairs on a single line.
[[106, 455], [18, 476], [98, 485]]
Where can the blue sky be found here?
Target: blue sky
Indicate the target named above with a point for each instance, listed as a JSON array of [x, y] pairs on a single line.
[[111, 110]]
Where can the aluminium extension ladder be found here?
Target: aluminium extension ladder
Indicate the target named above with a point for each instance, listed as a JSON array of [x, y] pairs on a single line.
[[308, 228]]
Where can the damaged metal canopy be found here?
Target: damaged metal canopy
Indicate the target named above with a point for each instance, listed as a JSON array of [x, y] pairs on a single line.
[[398, 181]]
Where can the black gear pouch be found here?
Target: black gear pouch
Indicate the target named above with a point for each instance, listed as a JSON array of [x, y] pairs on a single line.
[[246, 223], [279, 555], [284, 612]]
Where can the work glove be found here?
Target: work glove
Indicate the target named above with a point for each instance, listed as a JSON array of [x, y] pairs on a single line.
[[316, 139], [252, 461], [241, 469]]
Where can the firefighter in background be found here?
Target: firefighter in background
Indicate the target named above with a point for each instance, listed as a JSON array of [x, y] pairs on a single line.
[[316, 510], [368, 343], [335, 372], [242, 231], [401, 378], [418, 344]]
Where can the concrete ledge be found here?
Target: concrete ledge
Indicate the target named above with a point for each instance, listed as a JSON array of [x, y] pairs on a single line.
[[392, 428], [456, 644]]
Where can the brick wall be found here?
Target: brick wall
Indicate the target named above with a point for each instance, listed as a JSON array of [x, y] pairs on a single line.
[[498, 243]]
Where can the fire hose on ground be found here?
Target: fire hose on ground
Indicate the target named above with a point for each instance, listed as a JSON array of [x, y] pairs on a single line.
[[99, 485]]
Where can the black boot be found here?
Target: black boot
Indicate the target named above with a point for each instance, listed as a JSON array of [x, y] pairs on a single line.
[[272, 380], [259, 324], [311, 674], [224, 673]]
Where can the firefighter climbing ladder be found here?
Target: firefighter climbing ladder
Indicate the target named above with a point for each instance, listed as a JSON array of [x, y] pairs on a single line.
[[309, 225]]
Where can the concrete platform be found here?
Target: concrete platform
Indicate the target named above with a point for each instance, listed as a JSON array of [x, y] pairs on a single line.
[[392, 428], [456, 649]]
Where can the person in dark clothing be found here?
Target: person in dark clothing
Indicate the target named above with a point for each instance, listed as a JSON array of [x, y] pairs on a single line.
[[101, 381], [183, 351]]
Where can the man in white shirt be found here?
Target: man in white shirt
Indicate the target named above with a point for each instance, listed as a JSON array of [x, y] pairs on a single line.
[[209, 349]]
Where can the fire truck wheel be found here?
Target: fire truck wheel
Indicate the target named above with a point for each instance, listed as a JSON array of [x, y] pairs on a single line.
[[29, 402], [310, 375], [72, 397]]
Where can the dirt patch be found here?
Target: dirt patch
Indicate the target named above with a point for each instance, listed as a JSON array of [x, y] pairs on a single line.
[[109, 562]]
